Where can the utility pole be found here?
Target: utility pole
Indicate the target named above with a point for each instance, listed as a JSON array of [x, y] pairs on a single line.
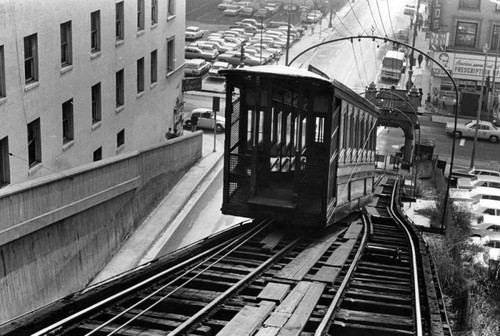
[[331, 13], [479, 107], [493, 86], [409, 84], [288, 32]]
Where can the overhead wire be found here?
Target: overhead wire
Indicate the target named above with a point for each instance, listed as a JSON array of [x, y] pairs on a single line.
[[362, 59], [357, 19], [356, 63], [373, 17], [381, 21], [343, 25], [390, 20]]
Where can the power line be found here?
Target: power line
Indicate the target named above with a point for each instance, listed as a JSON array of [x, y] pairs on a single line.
[[356, 63], [342, 23], [381, 21], [357, 19], [373, 17], [362, 59], [390, 20]]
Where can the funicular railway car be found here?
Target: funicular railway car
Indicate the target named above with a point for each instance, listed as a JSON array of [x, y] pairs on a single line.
[[299, 147]]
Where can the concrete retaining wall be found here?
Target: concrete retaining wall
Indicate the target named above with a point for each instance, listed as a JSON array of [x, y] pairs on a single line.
[[57, 232]]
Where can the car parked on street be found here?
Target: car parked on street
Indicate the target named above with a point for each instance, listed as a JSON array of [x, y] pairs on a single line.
[[193, 33], [232, 10], [485, 130], [214, 71], [196, 67], [479, 181], [485, 232], [468, 173], [262, 13], [247, 11], [206, 119], [203, 45], [224, 4], [195, 52], [255, 23], [220, 45]]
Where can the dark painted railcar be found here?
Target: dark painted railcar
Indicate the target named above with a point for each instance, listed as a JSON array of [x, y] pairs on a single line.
[[299, 147]]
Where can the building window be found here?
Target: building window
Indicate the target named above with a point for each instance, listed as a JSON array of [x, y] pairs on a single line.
[[154, 12], [34, 143], [120, 138], [66, 54], [97, 155], [170, 55], [466, 34], [4, 162], [95, 31], [469, 4], [154, 66], [140, 14], [120, 86], [494, 38], [140, 75], [171, 8], [120, 23], [30, 59], [3, 89], [96, 103], [67, 121]]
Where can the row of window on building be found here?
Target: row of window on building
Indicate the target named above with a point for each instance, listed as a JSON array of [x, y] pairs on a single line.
[[31, 73], [34, 143]]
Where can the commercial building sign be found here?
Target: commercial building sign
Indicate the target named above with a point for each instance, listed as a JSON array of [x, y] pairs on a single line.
[[465, 66]]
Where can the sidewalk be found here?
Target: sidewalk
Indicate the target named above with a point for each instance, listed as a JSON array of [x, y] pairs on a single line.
[[141, 246]]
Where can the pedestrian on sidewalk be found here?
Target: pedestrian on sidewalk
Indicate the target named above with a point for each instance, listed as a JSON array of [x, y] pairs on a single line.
[[436, 103], [420, 59], [428, 101], [194, 122]]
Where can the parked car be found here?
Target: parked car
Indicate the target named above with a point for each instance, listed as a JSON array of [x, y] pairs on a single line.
[[232, 10], [486, 207], [203, 45], [255, 23], [262, 13], [206, 119], [476, 194], [247, 11], [225, 4], [486, 232], [264, 56], [231, 57], [214, 71], [479, 181], [486, 130], [226, 44], [220, 45], [262, 45], [194, 33], [196, 67], [468, 173], [195, 52]]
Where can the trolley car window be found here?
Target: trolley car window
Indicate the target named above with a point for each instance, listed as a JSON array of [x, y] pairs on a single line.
[[320, 130]]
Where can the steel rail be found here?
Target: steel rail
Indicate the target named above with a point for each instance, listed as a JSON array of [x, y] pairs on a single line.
[[238, 242], [230, 291], [340, 291], [416, 289], [60, 324]]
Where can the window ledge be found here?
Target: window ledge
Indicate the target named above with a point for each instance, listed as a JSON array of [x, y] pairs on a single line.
[[68, 144], [153, 85], [140, 94], [95, 54], [31, 86], [96, 125], [170, 17], [119, 149], [119, 42], [140, 32], [66, 68], [154, 25], [33, 169], [119, 109], [3, 100]]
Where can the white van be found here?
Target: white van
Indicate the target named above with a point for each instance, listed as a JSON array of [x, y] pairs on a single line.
[[393, 65]]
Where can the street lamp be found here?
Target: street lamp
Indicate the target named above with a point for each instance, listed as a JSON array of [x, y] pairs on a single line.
[[479, 107]]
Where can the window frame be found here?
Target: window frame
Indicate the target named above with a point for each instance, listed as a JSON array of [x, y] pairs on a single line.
[[3, 87], [31, 58], [154, 66], [119, 21], [95, 31], [34, 143], [170, 9], [473, 45], [120, 139], [140, 75], [4, 162], [66, 44], [154, 12], [170, 54], [140, 15], [97, 154], [120, 88], [467, 4], [494, 37], [95, 92], [68, 132]]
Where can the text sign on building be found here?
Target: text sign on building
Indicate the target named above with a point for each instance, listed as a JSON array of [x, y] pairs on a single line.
[[465, 66], [446, 59], [438, 41]]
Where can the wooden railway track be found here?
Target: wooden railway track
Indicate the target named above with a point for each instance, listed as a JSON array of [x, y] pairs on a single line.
[[353, 279]]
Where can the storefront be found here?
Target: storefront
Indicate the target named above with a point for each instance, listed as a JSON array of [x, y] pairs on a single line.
[[467, 71]]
